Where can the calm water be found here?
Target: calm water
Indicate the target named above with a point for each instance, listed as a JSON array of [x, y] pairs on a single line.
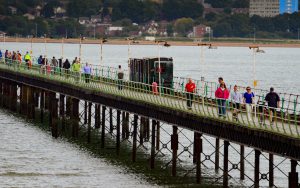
[[30, 157], [278, 67], [27, 149]]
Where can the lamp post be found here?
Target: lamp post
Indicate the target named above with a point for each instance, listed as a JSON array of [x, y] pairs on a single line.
[[165, 44], [45, 43], [103, 40], [202, 45], [80, 42], [62, 47], [298, 34], [130, 42], [31, 45]]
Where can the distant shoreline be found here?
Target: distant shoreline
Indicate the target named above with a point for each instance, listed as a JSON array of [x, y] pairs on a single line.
[[239, 43]]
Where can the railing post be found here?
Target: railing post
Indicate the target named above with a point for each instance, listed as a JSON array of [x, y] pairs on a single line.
[[152, 157], [225, 171], [103, 127], [174, 147], [135, 124], [256, 168], [293, 175]]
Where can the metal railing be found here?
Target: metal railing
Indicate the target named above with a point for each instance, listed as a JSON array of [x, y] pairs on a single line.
[[284, 120]]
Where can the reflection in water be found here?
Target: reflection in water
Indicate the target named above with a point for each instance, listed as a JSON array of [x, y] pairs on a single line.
[[30, 157]]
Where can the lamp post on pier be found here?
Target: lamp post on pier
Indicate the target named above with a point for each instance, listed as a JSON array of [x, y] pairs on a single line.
[[202, 45], [130, 42], [103, 40], [165, 44]]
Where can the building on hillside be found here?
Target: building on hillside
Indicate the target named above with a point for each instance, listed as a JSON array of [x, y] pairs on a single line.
[[29, 16], [115, 31], [59, 12], [200, 30], [288, 6], [13, 10], [264, 8], [97, 30]]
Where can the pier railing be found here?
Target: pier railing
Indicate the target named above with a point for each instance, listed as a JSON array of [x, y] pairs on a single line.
[[284, 120]]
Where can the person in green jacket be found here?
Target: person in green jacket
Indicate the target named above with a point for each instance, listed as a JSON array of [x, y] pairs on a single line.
[[76, 67]]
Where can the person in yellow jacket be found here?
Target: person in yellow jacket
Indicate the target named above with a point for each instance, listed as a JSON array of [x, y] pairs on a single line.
[[76, 67], [27, 58]]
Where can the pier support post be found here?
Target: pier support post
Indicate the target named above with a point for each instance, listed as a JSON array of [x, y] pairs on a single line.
[[50, 98], [118, 131], [217, 155], [123, 125], [174, 147], [152, 157], [54, 116], [62, 111], [256, 169], [36, 98], [23, 108], [85, 112], [147, 129], [14, 97], [225, 171], [134, 141], [103, 127], [1, 92], [157, 135], [271, 170], [89, 122], [111, 126], [42, 105], [242, 162], [68, 106], [198, 150], [31, 105], [75, 117], [142, 124], [293, 175], [97, 116]]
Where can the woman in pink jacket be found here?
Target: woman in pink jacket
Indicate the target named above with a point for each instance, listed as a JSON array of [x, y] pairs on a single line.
[[222, 94]]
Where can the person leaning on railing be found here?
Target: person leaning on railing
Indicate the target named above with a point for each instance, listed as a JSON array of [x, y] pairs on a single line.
[[273, 100], [76, 69], [66, 67], [190, 88], [222, 94]]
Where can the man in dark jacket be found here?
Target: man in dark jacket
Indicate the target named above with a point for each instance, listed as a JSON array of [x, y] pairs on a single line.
[[273, 100]]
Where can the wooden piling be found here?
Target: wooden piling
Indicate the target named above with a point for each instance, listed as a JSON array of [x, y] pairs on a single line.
[[242, 162], [75, 117], [97, 116], [271, 170], [111, 126], [118, 131], [217, 155], [157, 135], [293, 175], [134, 141], [103, 127], [89, 122], [256, 168], [174, 147], [85, 111], [198, 150], [54, 117], [152, 157], [42, 105], [225, 169]]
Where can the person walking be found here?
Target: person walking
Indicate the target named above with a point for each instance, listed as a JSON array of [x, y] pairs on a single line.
[[236, 100], [273, 100], [54, 63], [87, 70], [249, 101], [190, 88], [27, 58], [222, 94], [120, 78], [76, 69], [66, 68]]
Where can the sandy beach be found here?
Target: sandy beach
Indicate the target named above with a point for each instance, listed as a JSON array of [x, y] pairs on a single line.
[[241, 43]]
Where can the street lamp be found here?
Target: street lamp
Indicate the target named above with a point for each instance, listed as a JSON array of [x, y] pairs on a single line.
[[31, 45], [62, 47], [80, 42], [202, 57], [45, 43], [130, 41], [255, 50], [103, 40], [165, 44]]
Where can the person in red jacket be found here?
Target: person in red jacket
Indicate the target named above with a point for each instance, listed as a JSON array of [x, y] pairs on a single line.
[[222, 94], [190, 88]]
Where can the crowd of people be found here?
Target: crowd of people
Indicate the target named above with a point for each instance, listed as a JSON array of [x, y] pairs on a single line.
[[238, 100]]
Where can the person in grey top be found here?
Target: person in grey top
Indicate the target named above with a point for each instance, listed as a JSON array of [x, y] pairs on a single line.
[[120, 78], [237, 100]]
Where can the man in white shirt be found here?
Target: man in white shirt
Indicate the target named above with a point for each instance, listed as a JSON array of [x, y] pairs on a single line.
[[237, 100]]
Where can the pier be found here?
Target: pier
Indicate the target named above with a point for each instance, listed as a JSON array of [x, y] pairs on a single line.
[[137, 114]]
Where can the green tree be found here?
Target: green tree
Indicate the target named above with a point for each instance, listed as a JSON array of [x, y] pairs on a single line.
[[172, 10], [183, 25]]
